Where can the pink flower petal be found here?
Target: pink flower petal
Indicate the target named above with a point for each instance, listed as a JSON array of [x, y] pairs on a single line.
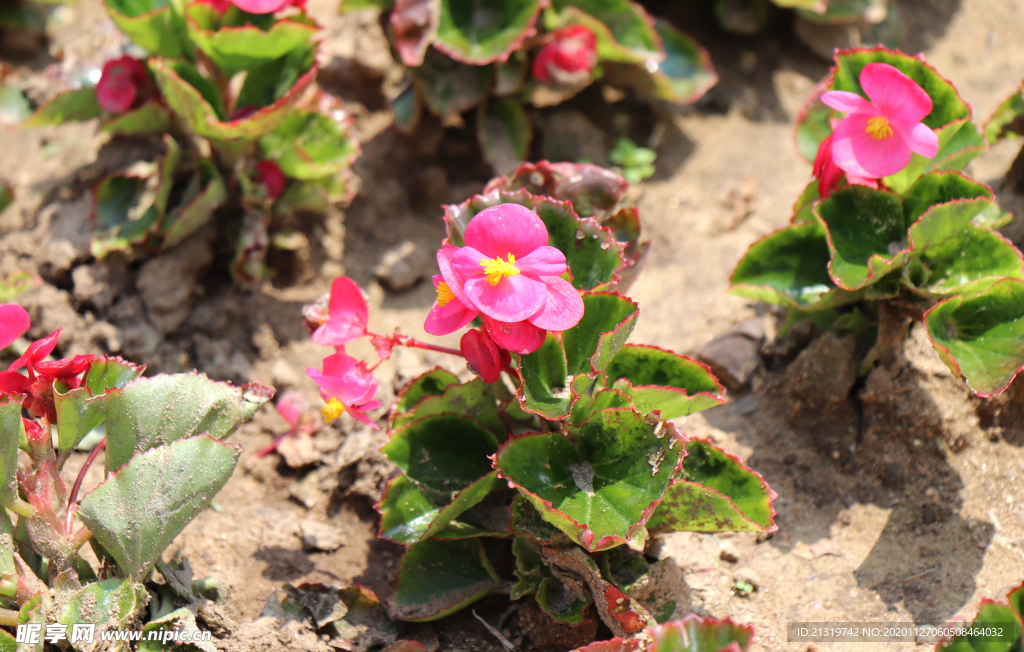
[[344, 378], [455, 280], [291, 406], [897, 96], [564, 308], [506, 229], [346, 315], [14, 321], [361, 417], [259, 6], [521, 337], [466, 263], [448, 318], [859, 154], [513, 299], [37, 351], [846, 101], [919, 137], [543, 261]]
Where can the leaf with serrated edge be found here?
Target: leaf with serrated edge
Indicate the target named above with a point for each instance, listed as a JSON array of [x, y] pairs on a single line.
[[160, 30], [438, 578], [310, 145], [608, 319], [591, 189], [82, 409], [656, 379], [1008, 120], [475, 399], [970, 263], [959, 327], [479, 32], [624, 30], [139, 510], [408, 517], [545, 388], [234, 49], [431, 383], [603, 489]]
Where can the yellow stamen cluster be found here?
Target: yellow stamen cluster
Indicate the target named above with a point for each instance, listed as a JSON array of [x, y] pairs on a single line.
[[333, 410], [444, 294], [496, 269], [879, 128]]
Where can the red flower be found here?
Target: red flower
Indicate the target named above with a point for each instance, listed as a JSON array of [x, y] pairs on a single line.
[[123, 84], [830, 175], [271, 177], [570, 54], [484, 357]]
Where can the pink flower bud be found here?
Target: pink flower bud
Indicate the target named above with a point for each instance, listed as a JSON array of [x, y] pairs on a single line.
[[570, 54], [122, 83]]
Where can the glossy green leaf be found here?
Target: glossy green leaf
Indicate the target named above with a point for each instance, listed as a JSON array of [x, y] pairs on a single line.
[[12, 430], [7, 642], [867, 235], [940, 205], [153, 24], [407, 108], [234, 49], [438, 578], [790, 268], [480, 32], [601, 490], [110, 602], [528, 522], [138, 511], [442, 454], [715, 492], [150, 118], [205, 193], [432, 383], [408, 516], [123, 212], [475, 399], [309, 145], [81, 410], [967, 264], [656, 379], [504, 132], [966, 144], [72, 106], [683, 77], [449, 87], [591, 345], [624, 30], [991, 616], [546, 389], [981, 338], [154, 411], [940, 188], [1008, 120]]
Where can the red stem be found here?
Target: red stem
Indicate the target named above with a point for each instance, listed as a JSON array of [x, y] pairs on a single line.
[[432, 347], [78, 481]]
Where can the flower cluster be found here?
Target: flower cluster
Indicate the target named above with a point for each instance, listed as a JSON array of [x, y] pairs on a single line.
[[878, 137]]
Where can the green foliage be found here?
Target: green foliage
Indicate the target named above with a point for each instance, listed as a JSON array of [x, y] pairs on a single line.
[[440, 577], [997, 627], [637, 163]]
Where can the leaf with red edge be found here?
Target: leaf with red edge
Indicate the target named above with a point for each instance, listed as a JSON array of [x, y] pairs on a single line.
[[81, 410], [415, 24], [438, 578], [981, 338], [234, 49], [970, 263], [431, 383], [310, 145], [76, 106], [624, 31], [591, 189], [997, 627], [527, 521], [475, 399], [656, 379], [1008, 120], [449, 87], [150, 118], [625, 227], [715, 492], [691, 634], [601, 490], [408, 516], [480, 32], [156, 25], [553, 596]]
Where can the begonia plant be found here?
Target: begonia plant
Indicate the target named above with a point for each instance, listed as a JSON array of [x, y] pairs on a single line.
[[892, 229], [997, 627], [560, 450], [164, 461], [498, 58], [248, 139]]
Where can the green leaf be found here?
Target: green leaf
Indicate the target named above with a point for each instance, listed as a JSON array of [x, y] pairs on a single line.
[[7, 642], [527, 521], [150, 118], [790, 268], [71, 106], [14, 106], [154, 25], [867, 235], [553, 596], [432, 383], [205, 193], [940, 205], [981, 338], [234, 49], [608, 319], [438, 578], [442, 454], [546, 389], [124, 213], [970, 263], [81, 410], [480, 32], [940, 188], [601, 490], [12, 431], [144, 505], [624, 30], [475, 399], [7, 566], [991, 615], [449, 87], [6, 196], [956, 146], [314, 195], [309, 145], [656, 379], [1008, 120], [408, 516], [504, 132], [150, 412], [510, 76], [407, 108], [110, 602], [715, 492]]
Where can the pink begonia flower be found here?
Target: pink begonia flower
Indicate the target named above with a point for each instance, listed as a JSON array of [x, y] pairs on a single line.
[[571, 53], [483, 355], [448, 313], [347, 386], [271, 177], [14, 321], [267, 6], [123, 83], [346, 315], [878, 138], [829, 175], [508, 273]]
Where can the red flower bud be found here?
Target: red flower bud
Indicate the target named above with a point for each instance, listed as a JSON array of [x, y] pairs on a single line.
[[122, 83], [484, 357], [571, 53], [271, 177]]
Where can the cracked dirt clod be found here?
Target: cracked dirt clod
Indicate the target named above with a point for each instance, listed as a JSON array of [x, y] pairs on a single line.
[[168, 283]]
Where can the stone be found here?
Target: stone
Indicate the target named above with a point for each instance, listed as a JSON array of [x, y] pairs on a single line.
[[403, 266], [321, 536], [168, 283], [735, 354]]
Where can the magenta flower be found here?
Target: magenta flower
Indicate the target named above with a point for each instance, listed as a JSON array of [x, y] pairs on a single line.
[[508, 272], [878, 138], [570, 54], [452, 309], [346, 315], [14, 321], [124, 83], [347, 386], [267, 6]]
